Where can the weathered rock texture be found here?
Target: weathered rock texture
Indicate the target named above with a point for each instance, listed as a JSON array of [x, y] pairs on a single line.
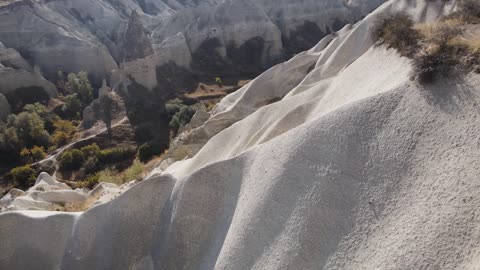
[[20, 83], [213, 38], [49, 194], [351, 166]]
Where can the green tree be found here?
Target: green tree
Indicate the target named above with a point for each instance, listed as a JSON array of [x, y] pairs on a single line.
[[181, 118], [24, 176], [30, 128], [72, 159], [10, 145], [108, 104], [47, 116], [145, 152], [90, 150], [79, 84], [38, 153], [73, 106], [60, 138]]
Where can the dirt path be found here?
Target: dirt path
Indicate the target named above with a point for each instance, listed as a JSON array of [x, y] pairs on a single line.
[[53, 157]]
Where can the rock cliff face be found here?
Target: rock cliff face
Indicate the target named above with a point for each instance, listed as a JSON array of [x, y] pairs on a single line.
[[204, 36], [19, 83], [332, 160]]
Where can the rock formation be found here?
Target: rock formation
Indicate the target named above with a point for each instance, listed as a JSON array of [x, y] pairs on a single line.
[[19, 83], [4, 107], [49, 194], [204, 37], [137, 45], [332, 160]]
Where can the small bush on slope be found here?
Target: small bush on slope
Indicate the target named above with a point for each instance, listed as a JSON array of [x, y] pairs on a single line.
[[117, 154], [72, 159], [438, 49], [396, 30], [438, 56], [148, 150], [24, 176]]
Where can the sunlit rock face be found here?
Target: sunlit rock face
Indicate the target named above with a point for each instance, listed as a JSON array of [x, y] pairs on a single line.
[[203, 36]]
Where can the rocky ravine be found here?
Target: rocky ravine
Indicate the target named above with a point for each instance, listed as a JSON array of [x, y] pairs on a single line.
[[137, 38], [356, 167]]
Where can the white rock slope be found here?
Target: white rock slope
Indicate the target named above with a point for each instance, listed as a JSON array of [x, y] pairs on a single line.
[[356, 167]]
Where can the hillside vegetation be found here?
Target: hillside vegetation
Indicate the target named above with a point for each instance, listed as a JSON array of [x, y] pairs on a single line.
[[449, 47]]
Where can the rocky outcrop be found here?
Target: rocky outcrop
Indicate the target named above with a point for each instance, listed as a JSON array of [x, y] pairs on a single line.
[[47, 37], [210, 38], [11, 58], [21, 87], [20, 83], [49, 194], [137, 45]]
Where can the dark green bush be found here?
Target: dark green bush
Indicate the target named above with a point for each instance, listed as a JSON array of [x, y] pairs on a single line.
[[73, 106], [148, 150], [72, 159], [24, 176], [91, 165], [181, 118], [117, 154], [145, 152], [92, 150]]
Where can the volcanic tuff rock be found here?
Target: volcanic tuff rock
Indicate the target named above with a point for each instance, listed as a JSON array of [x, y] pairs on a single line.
[[4, 107], [347, 165], [205, 36], [49, 194], [19, 83], [137, 45]]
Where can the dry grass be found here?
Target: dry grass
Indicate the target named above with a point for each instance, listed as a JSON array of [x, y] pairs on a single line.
[[473, 45], [430, 32], [134, 172]]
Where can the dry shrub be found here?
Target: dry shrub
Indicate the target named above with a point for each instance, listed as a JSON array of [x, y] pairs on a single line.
[[468, 12], [436, 61], [397, 31], [439, 57], [440, 32]]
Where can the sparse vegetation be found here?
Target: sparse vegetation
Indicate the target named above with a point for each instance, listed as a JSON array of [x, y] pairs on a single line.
[[117, 154], [439, 49], [468, 12], [110, 175], [90, 182], [397, 31]]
